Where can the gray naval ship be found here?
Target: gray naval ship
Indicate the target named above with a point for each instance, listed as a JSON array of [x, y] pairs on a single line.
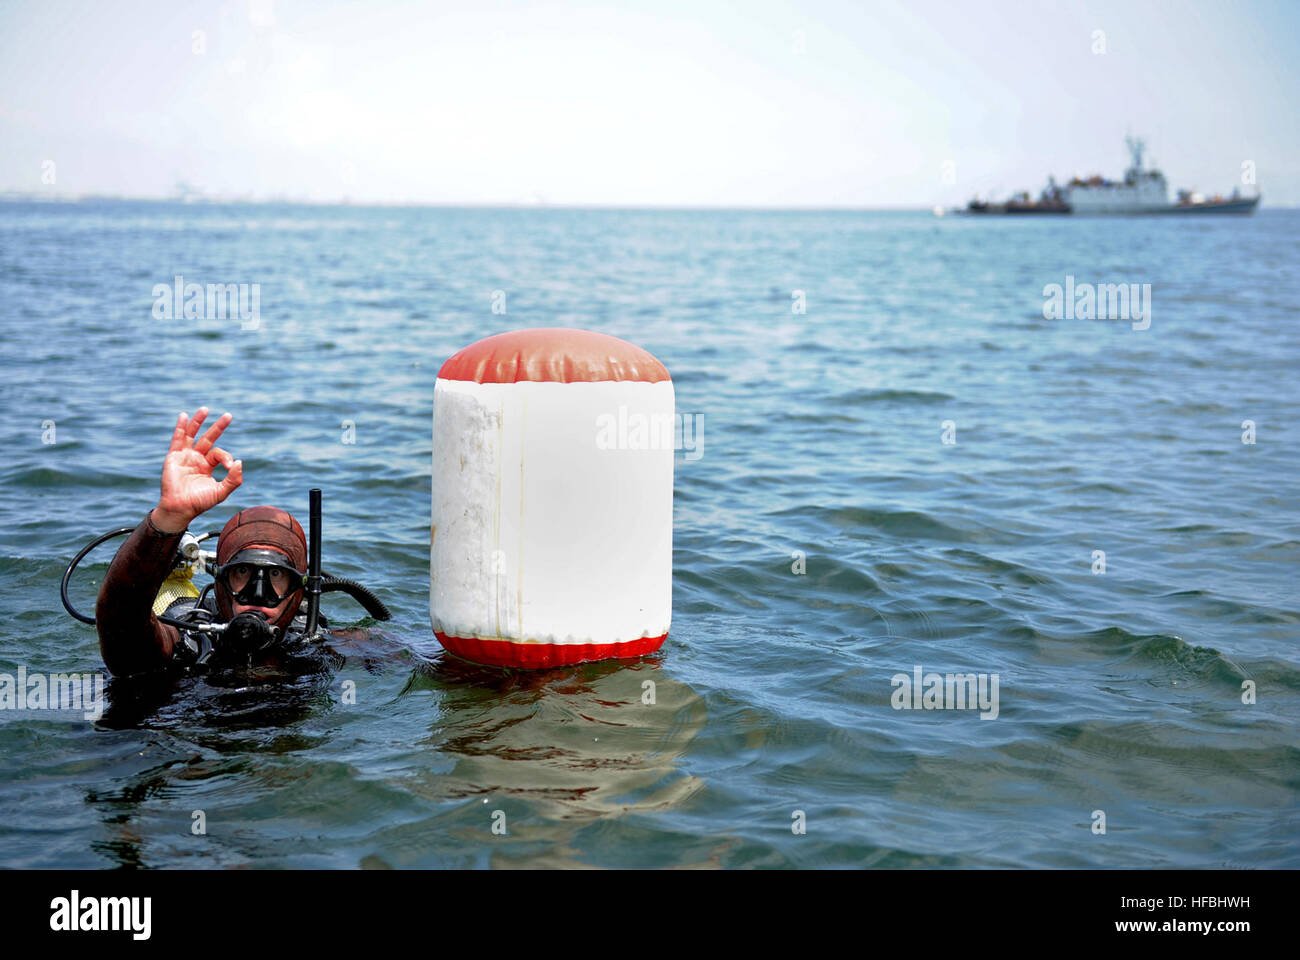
[[1142, 192]]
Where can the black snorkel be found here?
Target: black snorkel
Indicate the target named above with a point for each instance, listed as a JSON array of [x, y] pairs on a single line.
[[313, 564]]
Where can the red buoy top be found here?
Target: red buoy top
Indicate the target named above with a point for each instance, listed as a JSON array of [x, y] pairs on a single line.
[[556, 354]]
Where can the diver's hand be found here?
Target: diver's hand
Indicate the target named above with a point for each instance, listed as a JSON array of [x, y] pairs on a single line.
[[188, 488]]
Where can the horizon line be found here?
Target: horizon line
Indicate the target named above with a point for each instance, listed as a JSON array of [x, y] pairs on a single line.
[[15, 196]]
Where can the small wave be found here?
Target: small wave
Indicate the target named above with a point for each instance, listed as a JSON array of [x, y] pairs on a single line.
[[898, 523], [1205, 664], [866, 397], [59, 477]]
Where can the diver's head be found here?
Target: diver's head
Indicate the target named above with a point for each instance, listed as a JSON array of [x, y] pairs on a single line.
[[261, 562]]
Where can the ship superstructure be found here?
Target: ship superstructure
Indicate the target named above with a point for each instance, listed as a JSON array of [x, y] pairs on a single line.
[[1141, 190]]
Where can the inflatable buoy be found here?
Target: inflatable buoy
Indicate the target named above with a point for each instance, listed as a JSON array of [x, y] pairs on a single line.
[[551, 527]]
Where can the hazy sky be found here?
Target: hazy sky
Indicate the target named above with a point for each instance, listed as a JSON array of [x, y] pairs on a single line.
[[754, 103]]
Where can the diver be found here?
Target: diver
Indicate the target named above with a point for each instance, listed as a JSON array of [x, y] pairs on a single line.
[[264, 602]]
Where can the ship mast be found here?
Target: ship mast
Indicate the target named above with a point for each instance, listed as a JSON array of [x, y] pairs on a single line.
[[1136, 146]]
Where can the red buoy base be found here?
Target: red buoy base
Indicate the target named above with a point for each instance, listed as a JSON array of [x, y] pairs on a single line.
[[540, 656]]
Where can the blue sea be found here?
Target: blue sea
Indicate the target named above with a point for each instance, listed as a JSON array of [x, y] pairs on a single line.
[[905, 468]]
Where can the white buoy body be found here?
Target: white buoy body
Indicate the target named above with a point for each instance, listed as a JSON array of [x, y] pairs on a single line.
[[551, 526]]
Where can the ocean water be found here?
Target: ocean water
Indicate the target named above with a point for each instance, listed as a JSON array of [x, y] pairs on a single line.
[[827, 540]]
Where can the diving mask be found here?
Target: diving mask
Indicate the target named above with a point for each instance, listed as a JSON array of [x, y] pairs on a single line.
[[259, 577]]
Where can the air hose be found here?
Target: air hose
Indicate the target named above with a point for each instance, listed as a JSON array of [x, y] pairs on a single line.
[[373, 605], [67, 574]]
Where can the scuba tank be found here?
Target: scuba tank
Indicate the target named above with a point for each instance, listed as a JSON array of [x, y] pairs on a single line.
[[179, 584]]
